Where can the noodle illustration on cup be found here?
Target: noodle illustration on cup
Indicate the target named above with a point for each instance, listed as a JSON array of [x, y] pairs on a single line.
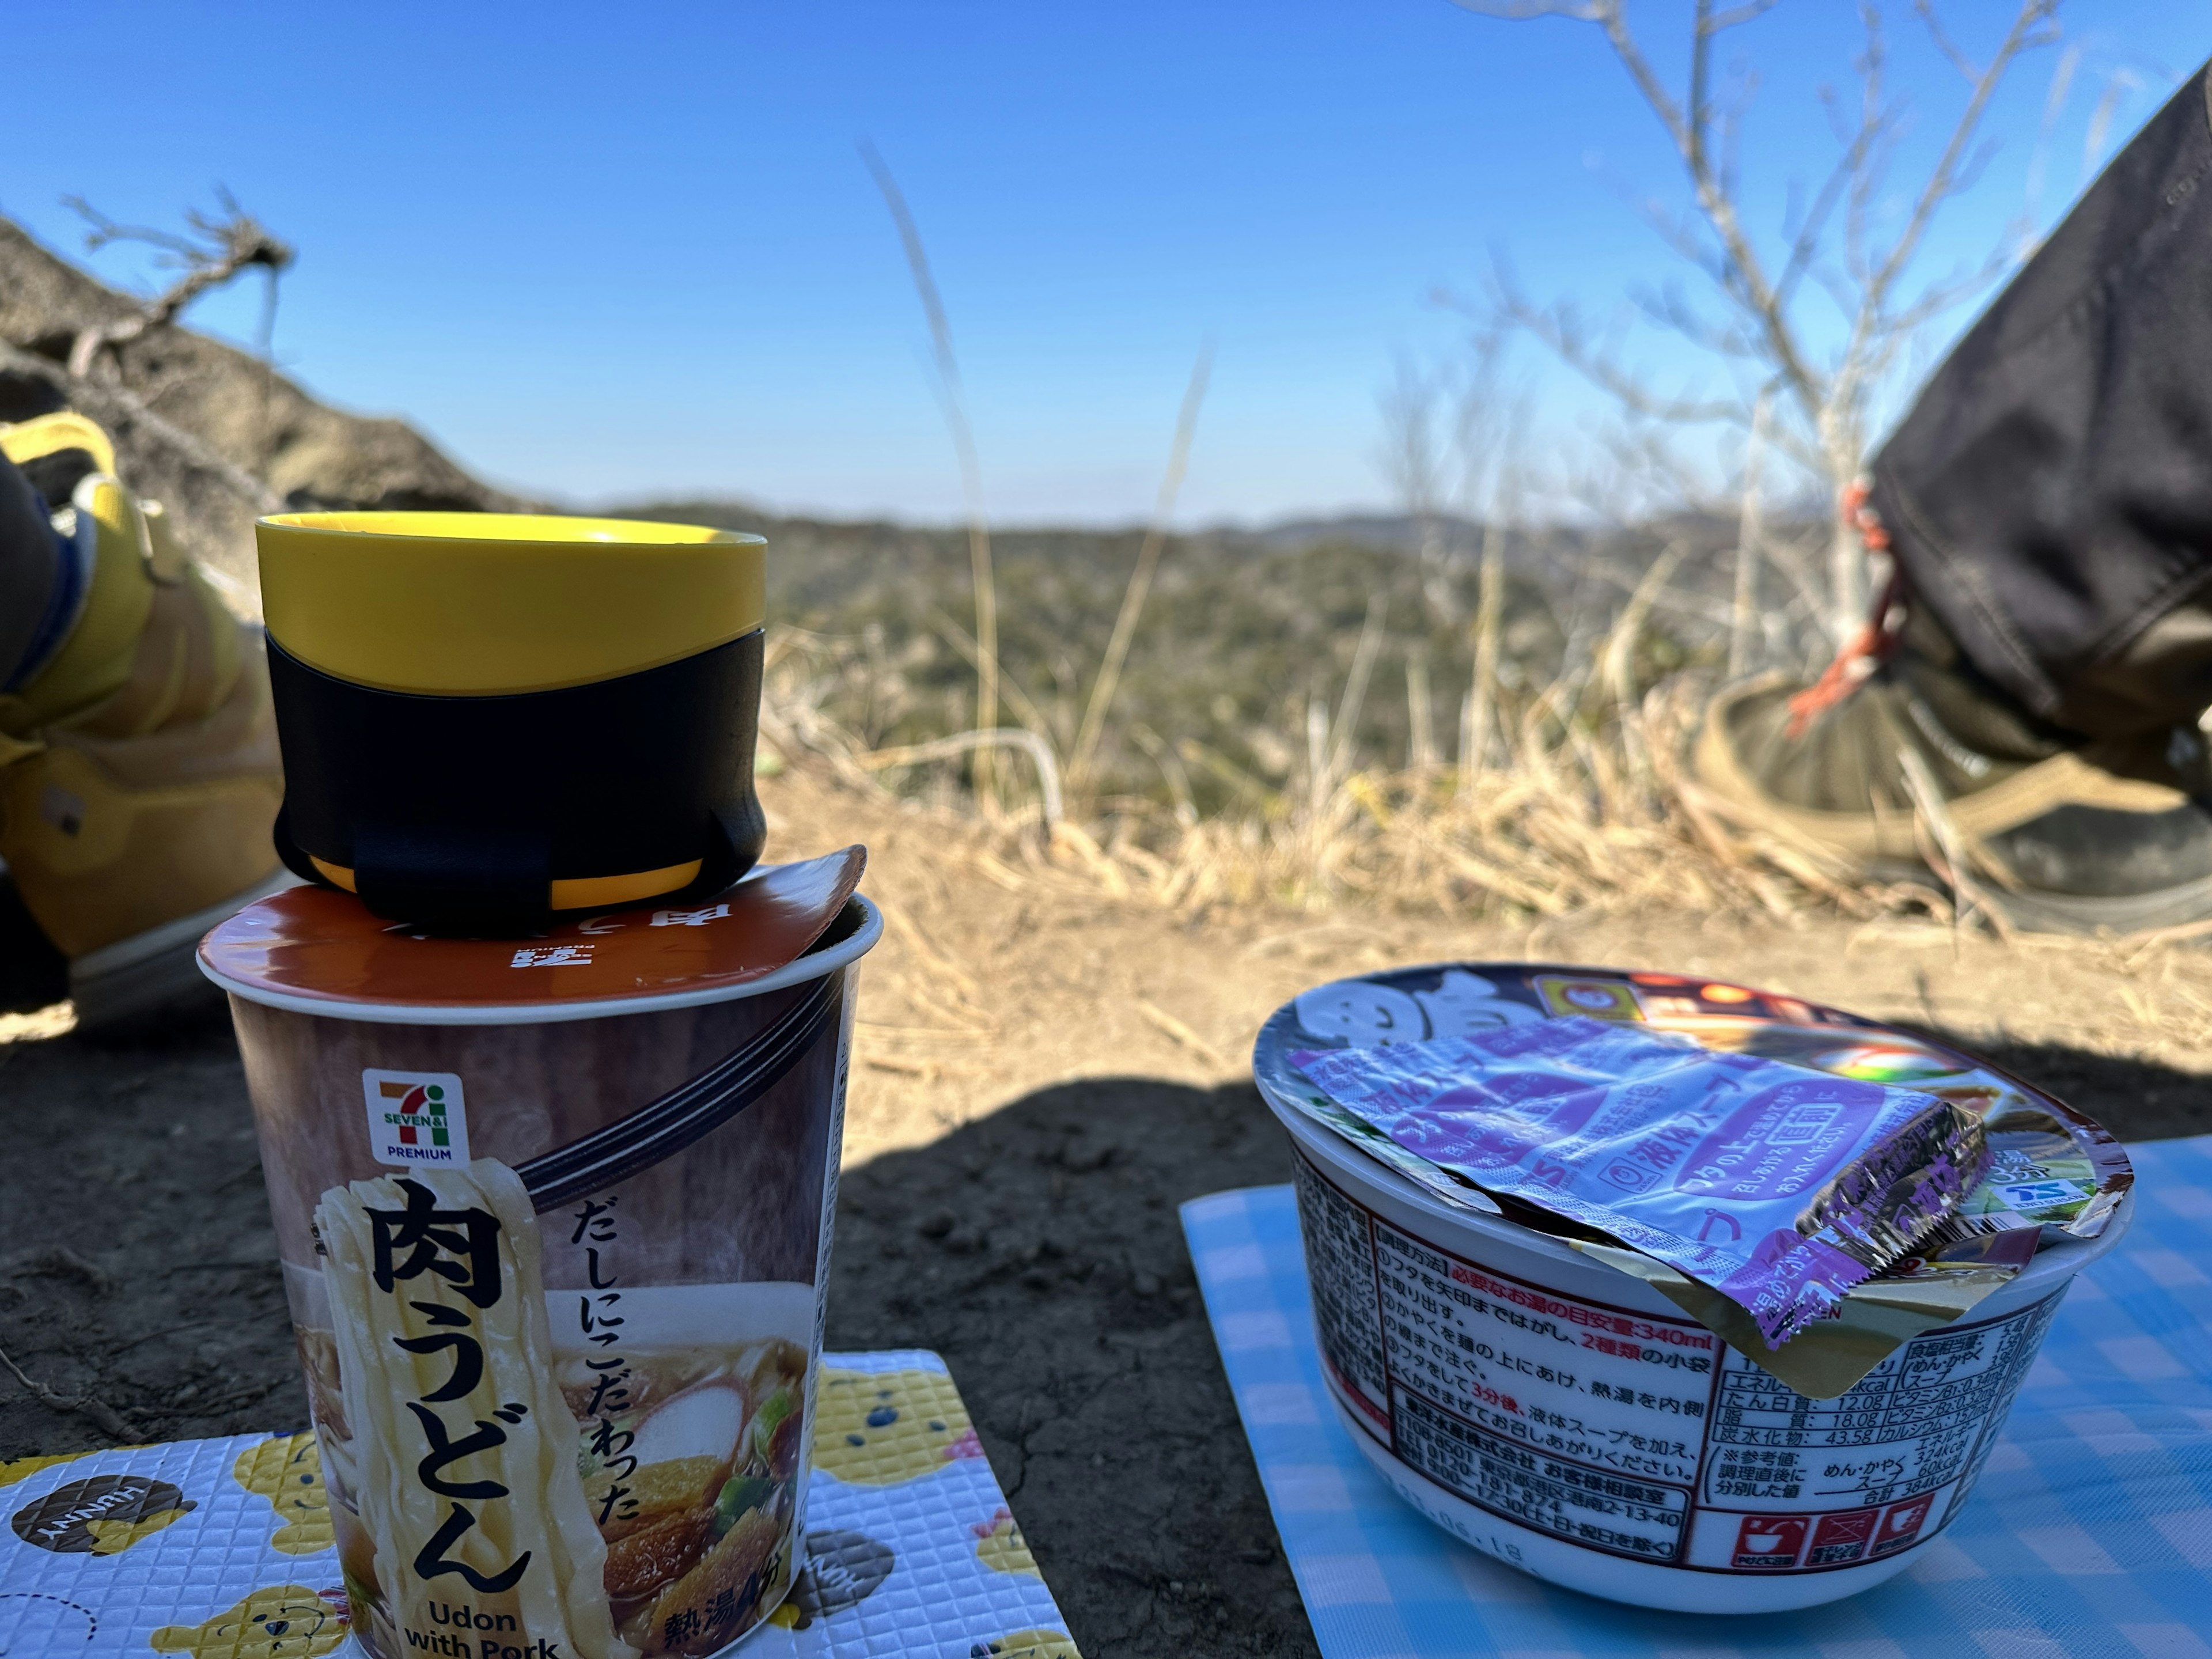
[[555, 1219], [441, 1303]]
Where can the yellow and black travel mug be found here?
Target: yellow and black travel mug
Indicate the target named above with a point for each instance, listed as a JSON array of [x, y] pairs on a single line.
[[490, 718]]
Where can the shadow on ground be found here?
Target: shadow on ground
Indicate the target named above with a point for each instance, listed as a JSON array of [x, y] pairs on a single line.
[[139, 1292], [1038, 1251], [2135, 1100]]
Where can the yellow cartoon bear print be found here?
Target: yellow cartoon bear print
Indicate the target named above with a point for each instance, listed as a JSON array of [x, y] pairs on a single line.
[[885, 1428], [289, 1473], [13, 1469], [113, 1537], [1001, 1547], [1028, 1644], [285, 1621]]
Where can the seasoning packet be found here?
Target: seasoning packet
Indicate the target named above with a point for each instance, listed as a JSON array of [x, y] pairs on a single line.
[[1438, 1183], [2059, 1173], [1875, 1317], [1777, 1186]]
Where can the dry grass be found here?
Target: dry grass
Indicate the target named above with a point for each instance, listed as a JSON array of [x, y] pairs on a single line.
[[1580, 804], [1012, 963]]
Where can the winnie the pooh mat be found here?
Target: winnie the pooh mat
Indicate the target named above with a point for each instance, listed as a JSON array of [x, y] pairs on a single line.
[[222, 1549]]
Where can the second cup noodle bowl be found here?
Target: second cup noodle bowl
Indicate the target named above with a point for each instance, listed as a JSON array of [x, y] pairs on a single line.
[[1567, 1418], [560, 1355]]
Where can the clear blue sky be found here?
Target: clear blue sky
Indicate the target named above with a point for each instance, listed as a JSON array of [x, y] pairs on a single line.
[[607, 252]]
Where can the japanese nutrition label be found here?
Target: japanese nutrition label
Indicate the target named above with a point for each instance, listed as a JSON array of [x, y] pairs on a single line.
[[1865, 1473], [1642, 1436]]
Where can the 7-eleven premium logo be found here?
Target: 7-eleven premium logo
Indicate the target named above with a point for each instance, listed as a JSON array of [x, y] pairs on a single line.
[[416, 1117]]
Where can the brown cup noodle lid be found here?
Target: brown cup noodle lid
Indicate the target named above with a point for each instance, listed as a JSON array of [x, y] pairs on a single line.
[[318, 951]]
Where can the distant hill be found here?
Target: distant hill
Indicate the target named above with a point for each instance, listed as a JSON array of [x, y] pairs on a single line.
[[1250, 637], [1398, 532], [1245, 631]]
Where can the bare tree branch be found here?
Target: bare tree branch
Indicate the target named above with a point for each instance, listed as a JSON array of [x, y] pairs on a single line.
[[2025, 33], [1559, 328], [216, 250], [1725, 20], [1944, 43], [1830, 245], [1857, 148]]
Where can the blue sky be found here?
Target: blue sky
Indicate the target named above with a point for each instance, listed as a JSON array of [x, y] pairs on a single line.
[[603, 253]]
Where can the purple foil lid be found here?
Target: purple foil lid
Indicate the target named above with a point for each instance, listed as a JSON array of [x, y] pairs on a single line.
[[1779, 1187]]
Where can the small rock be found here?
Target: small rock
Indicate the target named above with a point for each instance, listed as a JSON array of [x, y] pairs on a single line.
[[1146, 1284], [937, 1223], [59, 1261], [1258, 1557], [1037, 1279]]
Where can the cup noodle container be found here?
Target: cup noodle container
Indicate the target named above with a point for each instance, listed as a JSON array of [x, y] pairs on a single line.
[[555, 1219], [1570, 1420]]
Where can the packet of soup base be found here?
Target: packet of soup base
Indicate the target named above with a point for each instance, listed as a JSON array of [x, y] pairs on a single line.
[[1778, 1186], [1875, 1317], [2049, 1168]]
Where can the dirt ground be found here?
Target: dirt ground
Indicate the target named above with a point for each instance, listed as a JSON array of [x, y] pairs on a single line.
[[1045, 1072]]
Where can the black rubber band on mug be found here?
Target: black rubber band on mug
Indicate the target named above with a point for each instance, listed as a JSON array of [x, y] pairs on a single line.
[[458, 812]]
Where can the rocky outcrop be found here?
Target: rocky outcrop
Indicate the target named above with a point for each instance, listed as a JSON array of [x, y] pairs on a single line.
[[214, 432]]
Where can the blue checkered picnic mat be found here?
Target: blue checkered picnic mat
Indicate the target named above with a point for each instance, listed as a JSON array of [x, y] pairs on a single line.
[[2090, 1532]]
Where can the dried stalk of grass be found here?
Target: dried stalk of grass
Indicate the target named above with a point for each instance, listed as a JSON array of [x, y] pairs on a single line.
[[1489, 609], [971, 467], [1108, 677]]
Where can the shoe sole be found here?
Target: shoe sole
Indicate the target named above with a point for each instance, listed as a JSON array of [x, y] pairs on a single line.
[[2035, 910], [1847, 842], [32, 974], [139, 974], [1843, 842]]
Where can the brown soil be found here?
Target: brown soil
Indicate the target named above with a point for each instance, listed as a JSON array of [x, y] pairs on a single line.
[[1045, 1072]]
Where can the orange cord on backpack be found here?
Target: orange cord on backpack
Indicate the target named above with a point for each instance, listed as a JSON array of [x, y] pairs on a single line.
[[1873, 642]]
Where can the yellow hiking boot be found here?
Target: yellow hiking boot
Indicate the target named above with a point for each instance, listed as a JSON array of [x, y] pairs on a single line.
[[139, 774]]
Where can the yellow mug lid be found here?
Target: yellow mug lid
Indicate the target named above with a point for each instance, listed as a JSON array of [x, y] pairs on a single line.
[[482, 603]]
